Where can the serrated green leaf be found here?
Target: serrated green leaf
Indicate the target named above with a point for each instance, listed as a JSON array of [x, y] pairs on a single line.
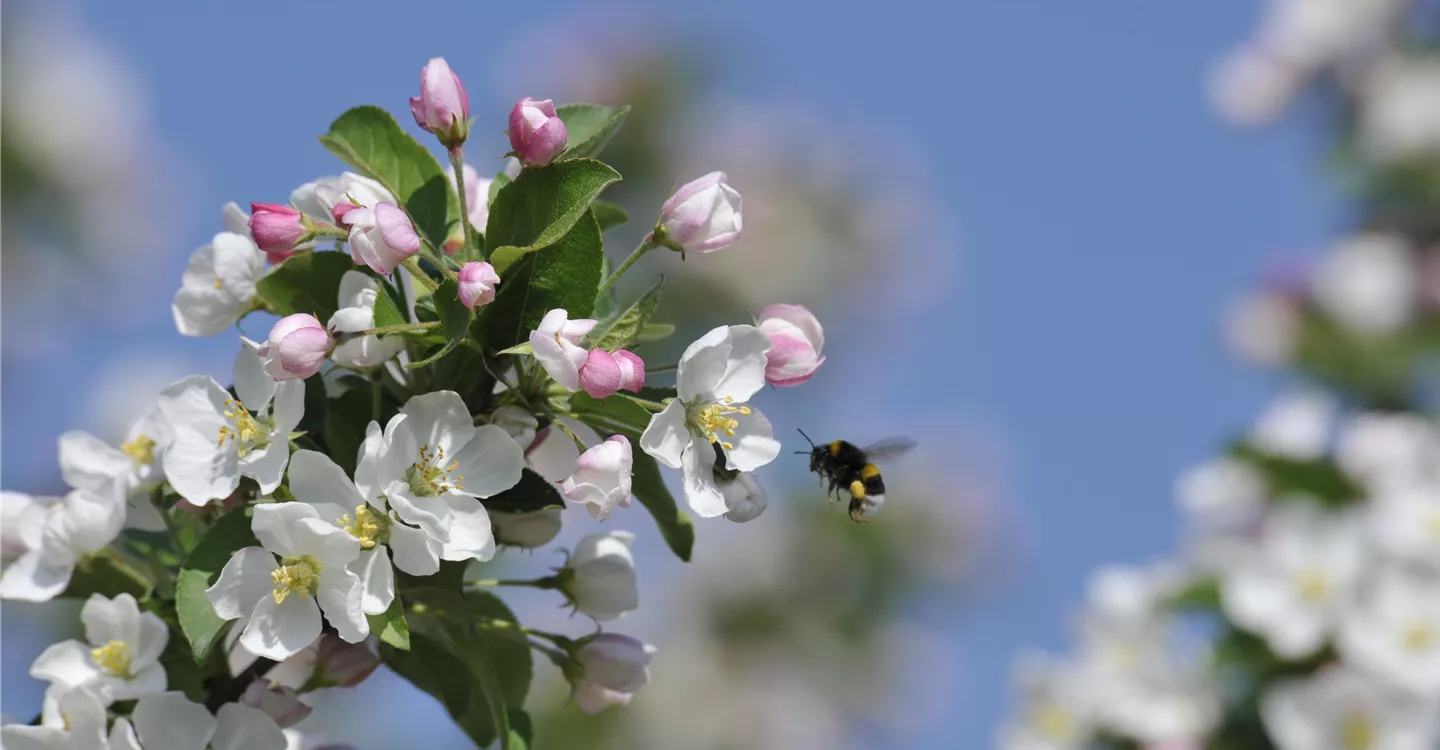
[[390, 625], [373, 144], [305, 283], [589, 127], [202, 627], [541, 206], [564, 275], [387, 310], [455, 320], [649, 488], [609, 215], [530, 494], [626, 329]]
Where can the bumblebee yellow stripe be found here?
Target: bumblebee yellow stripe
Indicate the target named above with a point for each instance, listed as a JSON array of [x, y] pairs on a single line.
[[857, 489], [870, 471]]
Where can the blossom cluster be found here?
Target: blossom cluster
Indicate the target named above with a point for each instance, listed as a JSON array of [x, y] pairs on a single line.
[[449, 369]]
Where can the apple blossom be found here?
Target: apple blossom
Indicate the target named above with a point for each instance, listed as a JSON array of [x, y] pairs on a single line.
[[796, 340], [553, 454], [1222, 494], [601, 480], [1368, 284], [600, 375], [443, 107], [358, 292], [599, 578], [745, 499], [1337, 707], [537, 134], [556, 344], [613, 668], [84, 522], [1058, 709], [75, 722], [477, 284], [219, 438], [1386, 449], [1405, 522], [276, 229], [88, 463], [218, 286], [477, 196], [381, 237], [703, 216], [22, 523], [526, 530], [280, 599], [297, 347], [1298, 425], [1394, 632], [317, 480], [121, 660], [234, 219], [170, 720], [717, 375], [632, 370], [517, 422], [341, 664], [323, 199], [280, 702]]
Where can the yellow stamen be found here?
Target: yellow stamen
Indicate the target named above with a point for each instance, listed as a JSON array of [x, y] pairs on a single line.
[[141, 450], [1052, 723], [1357, 732], [113, 657], [715, 420], [246, 430], [1313, 585], [367, 526], [429, 476], [218, 285], [1419, 637], [298, 576]]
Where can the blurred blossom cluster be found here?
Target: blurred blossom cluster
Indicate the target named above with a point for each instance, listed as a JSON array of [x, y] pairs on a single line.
[[1303, 611]]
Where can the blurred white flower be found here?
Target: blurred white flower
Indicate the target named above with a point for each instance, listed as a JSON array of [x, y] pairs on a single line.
[[1263, 328], [1340, 708], [122, 659], [1222, 494], [1057, 712], [1386, 449], [599, 577], [1250, 86], [613, 667], [1400, 109], [218, 286], [73, 720], [1406, 522], [1296, 580], [22, 523], [1297, 425], [78, 525], [1394, 632], [1367, 283], [526, 530], [169, 720], [1311, 34]]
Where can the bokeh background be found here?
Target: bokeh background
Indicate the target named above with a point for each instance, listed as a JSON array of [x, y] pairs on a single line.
[[1019, 222]]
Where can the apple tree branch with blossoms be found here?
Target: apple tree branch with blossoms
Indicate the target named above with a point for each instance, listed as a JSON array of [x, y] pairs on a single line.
[[451, 367]]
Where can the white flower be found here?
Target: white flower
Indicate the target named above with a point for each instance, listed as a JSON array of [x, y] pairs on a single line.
[[82, 523], [526, 530], [1221, 494], [1264, 328], [1252, 87], [1367, 284], [318, 199], [235, 219], [1057, 713], [426, 470], [122, 659], [169, 721], [1406, 522], [717, 376], [89, 463], [599, 578], [1294, 582], [73, 720], [1296, 426], [1340, 708], [745, 499], [1394, 632], [613, 667], [518, 423], [218, 285], [317, 480], [281, 599], [1386, 449], [1400, 109], [601, 480], [556, 344], [22, 523], [219, 438], [357, 313], [552, 454]]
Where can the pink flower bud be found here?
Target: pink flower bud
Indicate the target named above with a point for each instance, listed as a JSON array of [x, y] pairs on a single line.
[[702, 216], [556, 344], [276, 229], [796, 339], [282, 704], [477, 284], [297, 347], [632, 371], [600, 375], [442, 108], [602, 477], [339, 211], [381, 237], [537, 134], [343, 664]]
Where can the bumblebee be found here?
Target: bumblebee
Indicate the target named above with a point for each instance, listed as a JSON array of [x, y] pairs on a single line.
[[851, 469]]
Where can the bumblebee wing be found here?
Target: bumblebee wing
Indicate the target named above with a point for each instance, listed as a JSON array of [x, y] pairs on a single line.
[[889, 449]]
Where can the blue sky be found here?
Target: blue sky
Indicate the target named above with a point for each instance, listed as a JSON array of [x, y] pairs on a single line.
[[1104, 216]]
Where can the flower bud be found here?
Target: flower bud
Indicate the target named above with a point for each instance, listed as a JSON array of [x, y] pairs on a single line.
[[297, 347], [339, 211], [600, 375], [526, 530], [613, 667], [442, 108], [599, 578], [537, 134], [276, 229], [343, 664], [477, 284], [381, 237], [796, 339], [601, 479], [632, 371], [556, 344], [744, 497], [282, 704], [701, 217]]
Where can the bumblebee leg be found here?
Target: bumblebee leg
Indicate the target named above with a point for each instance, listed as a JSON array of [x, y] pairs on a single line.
[[856, 511]]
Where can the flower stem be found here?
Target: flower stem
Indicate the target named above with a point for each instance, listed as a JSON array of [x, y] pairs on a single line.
[[661, 368], [651, 405], [158, 498], [578, 442], [457, 162], [548, 582], [646, 245], [419, 273], [400, 328], [376, 391]]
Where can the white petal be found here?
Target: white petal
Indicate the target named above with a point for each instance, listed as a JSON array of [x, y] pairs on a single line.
[[238, 263], [552, 454], [243, 582], [17, 737], [414, 551], [558, 358], [108, 620], [439, 420], [275, 524], [279, 631], [288, 409], [204, 311], [315, 479], [66, 663], [153, 638], [666, 436], [328, 543], [754, 442], [701, 492], [431, 514], [377, 577], [32, 578], [470, 534], [745, 366], [491, 462], [267, 465], [703, 364], [241, 727], [200, 471], [351, 320], [195, 404], [149, 680], [87, 462], [169, 721], [234, 219], [341, 598], [85, 714], [358, 290], [122, 736], [254, 387], [367, 479]]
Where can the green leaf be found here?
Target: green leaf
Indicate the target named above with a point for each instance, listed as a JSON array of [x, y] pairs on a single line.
[[346, 418], [649, 488], [107, 575], [612, 414], [566, 274], [198, 620], [518, 349], [455, 320], [501, 180], [609, 215], [522, 730], [589, 127], [305, 283], [390, 625], [655, 332], [431, 666], [530, 494], [541, 206], [626, 329], [313, 422], [372, 143], [387, 309], [606, 306]]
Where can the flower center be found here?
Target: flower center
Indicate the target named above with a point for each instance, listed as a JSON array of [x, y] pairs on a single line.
[[369, 527], [299, 575], [430, 477], [113, 657], [1052, 722], [1357, 732], [247, 431], [715, 423], [1418, 637], [1312, 585], [141, 450], [1432, 524]]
